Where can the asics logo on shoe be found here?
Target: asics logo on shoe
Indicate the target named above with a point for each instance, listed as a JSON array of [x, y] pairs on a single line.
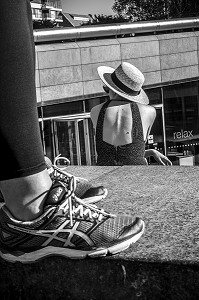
[[66, 231], [57, 194], [55, 235]]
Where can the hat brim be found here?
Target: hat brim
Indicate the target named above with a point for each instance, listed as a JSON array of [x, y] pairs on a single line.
[[105, 75]]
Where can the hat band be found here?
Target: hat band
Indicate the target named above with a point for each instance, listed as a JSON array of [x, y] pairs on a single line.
[[123, 87]]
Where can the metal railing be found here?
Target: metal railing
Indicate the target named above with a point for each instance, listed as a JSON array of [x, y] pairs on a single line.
[[92, 31]]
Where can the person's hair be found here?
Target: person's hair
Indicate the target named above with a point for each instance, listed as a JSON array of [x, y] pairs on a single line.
[[106, 88]]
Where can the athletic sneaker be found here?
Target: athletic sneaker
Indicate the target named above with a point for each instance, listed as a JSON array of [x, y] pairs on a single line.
[[68, 227], [84, 189]]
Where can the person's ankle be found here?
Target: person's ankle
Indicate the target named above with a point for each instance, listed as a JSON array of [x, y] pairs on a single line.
[[24, 215], [28, 212], [25, 196]]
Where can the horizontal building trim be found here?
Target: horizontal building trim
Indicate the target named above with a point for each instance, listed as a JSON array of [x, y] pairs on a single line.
[[68, 117], [92, 31], [98, 95], [70, 99]]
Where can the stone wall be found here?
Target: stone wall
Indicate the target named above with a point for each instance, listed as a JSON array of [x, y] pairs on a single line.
[[67, 71]]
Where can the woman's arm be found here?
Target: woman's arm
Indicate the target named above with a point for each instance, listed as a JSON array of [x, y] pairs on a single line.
[[158, 156]]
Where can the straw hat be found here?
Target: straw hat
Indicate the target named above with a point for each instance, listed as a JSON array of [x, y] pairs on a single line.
[[126, 80]]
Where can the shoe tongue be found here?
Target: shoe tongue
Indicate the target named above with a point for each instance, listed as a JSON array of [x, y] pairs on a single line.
[[56, 194]]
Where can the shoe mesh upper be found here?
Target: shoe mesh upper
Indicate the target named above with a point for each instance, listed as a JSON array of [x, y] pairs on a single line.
[[98, 233]]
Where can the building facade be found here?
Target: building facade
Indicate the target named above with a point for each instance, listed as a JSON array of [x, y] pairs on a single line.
[[68, 87], [49, 10]]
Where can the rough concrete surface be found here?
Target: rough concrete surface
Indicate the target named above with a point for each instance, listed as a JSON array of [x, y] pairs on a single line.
[[163, 264]]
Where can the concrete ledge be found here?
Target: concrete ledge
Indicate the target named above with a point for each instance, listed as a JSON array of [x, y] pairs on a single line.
[[163, 264], [104, 279]]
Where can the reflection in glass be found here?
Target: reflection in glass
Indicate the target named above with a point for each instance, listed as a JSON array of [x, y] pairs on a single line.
[[82, 148], [156, 136], [154, 96], [181, 107], [66, 141]]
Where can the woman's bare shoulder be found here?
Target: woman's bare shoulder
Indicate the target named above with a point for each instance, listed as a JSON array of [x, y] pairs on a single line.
[[148, 111], [147, 108], [94, 113], [95, 110]]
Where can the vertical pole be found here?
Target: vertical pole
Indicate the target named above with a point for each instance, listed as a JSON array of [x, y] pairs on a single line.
[[163, 123], [77, 143], [87, 142]]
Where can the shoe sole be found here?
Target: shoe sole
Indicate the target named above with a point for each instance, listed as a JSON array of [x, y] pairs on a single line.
[[95, 199], [71, 253]]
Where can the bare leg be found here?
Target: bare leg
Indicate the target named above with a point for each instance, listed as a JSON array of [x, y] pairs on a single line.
[[25, 196]]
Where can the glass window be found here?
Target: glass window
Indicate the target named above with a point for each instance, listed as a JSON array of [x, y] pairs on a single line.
[[46, 134], [181, 107], [90, 103], [66, 140], [53, 14], [154, 96], [62, 109]]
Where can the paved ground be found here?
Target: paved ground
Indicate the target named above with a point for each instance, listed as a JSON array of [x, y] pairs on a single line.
[[167, 198], [163, 264]]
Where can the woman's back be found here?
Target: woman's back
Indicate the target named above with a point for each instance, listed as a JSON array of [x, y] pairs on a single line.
[[117, 124], [120, 139]]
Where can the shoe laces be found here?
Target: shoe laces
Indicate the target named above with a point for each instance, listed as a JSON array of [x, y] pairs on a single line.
[[58, 173], [75, 207], [59, 157]]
